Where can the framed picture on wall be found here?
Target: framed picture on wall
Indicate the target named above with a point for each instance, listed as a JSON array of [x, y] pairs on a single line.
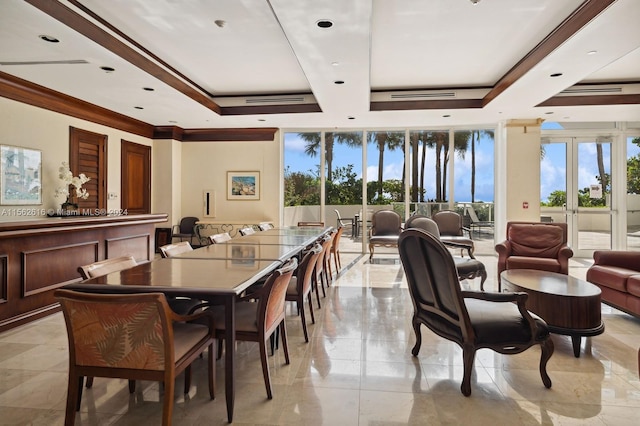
[[243, 185], [20, 175]]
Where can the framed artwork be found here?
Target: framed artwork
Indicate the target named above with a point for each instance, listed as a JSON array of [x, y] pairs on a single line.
[[243, 185], [20, 175]]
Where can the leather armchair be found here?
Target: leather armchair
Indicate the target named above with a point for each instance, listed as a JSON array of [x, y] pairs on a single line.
[[535, 245]]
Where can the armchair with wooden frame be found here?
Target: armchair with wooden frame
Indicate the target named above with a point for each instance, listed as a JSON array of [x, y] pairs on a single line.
[[535, 245], [453, 233], [472, 319], [154, 343], [386, 226]]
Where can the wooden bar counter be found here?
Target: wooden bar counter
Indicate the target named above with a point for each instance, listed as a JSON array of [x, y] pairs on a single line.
[[39, 255]]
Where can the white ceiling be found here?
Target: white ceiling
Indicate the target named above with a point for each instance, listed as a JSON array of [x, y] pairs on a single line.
[[274, 48]]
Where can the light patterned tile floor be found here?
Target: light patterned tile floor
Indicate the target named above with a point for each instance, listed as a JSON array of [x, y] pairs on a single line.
[[357, 369]]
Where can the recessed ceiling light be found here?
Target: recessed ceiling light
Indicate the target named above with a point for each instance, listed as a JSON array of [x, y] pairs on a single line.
[[351, 118], [324, 23], [49, 38], [107, 69], [148, 89], [338, 82], [138, 107], [261, 119], [556, 74], [335, 64], [172, 121], [220, 23], [549, 112], [447, 115], [592, 52]]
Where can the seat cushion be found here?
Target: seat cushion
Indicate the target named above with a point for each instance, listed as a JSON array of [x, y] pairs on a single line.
[[467, 266], [384, 239], [246, 317], [610, 276], [496, 323], [186, 336], [539, 263]]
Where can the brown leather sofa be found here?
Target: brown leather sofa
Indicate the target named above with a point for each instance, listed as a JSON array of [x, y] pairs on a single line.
[[535, 245], [617, 273]]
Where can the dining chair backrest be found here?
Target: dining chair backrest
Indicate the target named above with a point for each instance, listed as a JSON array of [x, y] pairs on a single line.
[[423, 222], [170, 250], [264, 226], [319, 224], [219, 238], [247, 231], [272, 297], [104, 267], [147, 344]]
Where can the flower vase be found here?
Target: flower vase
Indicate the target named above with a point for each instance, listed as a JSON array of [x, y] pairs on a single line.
[[70, 206]]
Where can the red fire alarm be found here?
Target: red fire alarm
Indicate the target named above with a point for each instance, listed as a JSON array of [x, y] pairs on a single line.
[[525, 205]]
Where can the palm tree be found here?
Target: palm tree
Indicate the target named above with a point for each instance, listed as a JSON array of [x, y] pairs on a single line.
[[601, 171], [312, 148], [392, 140], [476, 135]]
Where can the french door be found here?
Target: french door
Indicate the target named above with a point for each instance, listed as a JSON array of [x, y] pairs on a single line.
[[576, 188]]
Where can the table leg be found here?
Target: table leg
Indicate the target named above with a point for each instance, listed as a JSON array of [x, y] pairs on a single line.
[[229, 356], [575, 339]]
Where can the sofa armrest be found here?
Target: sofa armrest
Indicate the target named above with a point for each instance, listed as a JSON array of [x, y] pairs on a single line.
[[619, 258]]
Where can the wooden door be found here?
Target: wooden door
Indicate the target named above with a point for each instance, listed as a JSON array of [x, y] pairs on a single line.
[[88, 155], [136, 178]]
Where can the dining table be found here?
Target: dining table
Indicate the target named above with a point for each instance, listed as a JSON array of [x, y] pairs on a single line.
[[217, 274]]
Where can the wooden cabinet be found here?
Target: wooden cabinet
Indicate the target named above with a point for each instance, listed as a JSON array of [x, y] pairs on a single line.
[[38, 256]]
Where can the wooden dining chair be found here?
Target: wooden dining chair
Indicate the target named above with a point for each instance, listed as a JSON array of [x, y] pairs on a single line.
[[265, 226], [334, 250], [152, 342], [107, 266], [247, 231], [257, 322], [170, 250], [301, 284], [320, 276], [219, 238]]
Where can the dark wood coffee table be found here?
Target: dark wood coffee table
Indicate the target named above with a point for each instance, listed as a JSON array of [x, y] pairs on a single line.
[[569, 306]]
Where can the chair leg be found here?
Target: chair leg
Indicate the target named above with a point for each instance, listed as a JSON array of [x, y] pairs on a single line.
[[265, 368], [285, 344], [314, 284], [89, 382], [468, 354], [313, 318], [483, 278], [416, 330], [74, 395], [167, 402], [304, 321], [187, 379], [547, 351], [212, 372], [132, 386]]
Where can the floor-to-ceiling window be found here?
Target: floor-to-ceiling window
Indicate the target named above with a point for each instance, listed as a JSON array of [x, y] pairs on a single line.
[[633, 192], [409, 171]]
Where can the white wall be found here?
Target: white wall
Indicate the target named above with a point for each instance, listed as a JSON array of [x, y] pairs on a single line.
[[31, 127], [205, 166]]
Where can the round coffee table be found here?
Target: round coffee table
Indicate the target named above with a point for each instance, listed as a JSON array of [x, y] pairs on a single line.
[[568, 305]]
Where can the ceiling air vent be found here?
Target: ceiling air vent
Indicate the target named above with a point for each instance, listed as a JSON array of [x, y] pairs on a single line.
[[63, 62], [591, 90], [276, 100], [423, 95]]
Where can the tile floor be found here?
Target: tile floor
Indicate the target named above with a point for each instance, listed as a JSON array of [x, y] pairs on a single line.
[[357, 370]]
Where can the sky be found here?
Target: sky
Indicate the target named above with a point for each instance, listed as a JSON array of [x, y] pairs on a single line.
[[552, 167]]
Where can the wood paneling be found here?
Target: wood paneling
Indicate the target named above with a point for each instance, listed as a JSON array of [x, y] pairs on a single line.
[[40, 255]]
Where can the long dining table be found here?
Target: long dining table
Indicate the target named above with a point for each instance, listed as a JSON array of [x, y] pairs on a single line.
[[217, 274]]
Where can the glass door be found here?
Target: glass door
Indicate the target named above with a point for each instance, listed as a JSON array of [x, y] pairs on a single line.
[[575, 179]]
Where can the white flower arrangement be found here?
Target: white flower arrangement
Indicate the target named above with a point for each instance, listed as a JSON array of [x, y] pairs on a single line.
[[68, 179]]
